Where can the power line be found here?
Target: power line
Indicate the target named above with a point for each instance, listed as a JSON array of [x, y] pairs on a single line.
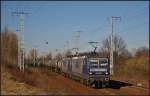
[[139, 41], [135, 17], [37, 10], [98, 28], [77, 42], [125, 16], [132, 27], [40, 7], [26, 7], [134, 14], [128, 15]]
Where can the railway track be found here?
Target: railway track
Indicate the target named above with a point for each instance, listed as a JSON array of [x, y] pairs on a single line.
[[135, 85], [128, 88], [54, 82], [117, 87]]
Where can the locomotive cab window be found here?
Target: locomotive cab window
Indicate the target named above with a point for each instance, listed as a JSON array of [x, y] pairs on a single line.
[[94, 63], [94, 66], [103, 62]]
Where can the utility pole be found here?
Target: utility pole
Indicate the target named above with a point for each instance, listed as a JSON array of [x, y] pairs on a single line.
[[77, 42], [21, 39], [43, 58], [34, 50], [112, 44], [56, 50], [35, 55], [67, 45]]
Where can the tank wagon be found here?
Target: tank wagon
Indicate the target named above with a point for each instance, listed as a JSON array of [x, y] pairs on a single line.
[[88, 69]]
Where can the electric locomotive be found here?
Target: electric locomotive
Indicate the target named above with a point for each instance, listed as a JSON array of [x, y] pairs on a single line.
[[90, 69]]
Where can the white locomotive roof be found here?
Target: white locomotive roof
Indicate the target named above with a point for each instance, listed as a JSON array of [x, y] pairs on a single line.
[[78, 57]]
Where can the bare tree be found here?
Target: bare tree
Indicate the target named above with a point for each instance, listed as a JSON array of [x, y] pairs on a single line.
[[142, 51], [9, 47], [126, 54], [32, 56], [49, 56], [119, 50], [119, 46], [58, 56]]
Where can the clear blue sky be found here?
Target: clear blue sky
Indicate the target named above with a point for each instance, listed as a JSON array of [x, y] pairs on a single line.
[[58, 22]]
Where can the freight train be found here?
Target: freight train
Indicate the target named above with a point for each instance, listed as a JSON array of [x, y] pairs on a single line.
[[91, 70]]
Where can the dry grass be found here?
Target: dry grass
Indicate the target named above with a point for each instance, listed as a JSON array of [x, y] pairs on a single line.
[[46, 82], [11, 86], [32, 81], [135, 70], [137, 67]]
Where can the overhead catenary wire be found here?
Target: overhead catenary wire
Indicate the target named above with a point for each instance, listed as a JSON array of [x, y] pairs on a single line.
[[93, 30], [132, 18], [133, 14], [129, 17], [135, 26], [143, 43], [33, 12], [132, 27], [39, 8], [98, 28], [136, 42], [26, 7]]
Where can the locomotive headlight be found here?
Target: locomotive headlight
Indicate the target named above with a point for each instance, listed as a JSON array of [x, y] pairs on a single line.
[[106, 73], [90, 73]]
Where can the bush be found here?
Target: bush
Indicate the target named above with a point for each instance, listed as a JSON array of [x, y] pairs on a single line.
[[136, 67]]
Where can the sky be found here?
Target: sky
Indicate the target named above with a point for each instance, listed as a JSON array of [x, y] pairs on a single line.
[[58, 22]]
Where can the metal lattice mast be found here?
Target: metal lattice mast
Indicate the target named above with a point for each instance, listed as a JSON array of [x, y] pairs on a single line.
[[112, 44], [21, 39], [77, 41]]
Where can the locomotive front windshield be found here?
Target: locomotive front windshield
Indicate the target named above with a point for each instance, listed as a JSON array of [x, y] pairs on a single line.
[[97, 63], [103, 62], [94, 64], [99, 66]]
